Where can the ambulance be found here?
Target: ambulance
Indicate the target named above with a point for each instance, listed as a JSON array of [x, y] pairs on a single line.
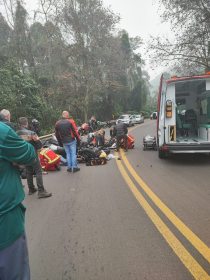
[[183, 119]]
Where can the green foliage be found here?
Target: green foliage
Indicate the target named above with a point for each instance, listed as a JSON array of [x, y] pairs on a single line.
[[5, 33], [19, 93], [71, 62], [151, 106]]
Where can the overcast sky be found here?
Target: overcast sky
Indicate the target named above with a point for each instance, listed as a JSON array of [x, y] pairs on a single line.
[[138, 17]]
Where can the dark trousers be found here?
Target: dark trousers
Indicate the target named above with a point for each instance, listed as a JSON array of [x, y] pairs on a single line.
[[99, 140], [14, 261], [37, 169], [124, 139]]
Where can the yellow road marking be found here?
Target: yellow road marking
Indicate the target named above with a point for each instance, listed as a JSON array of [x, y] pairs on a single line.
[[190, 263], [194, 239]]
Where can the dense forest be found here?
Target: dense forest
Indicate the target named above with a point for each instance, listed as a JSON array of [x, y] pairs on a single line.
[[68, 55]]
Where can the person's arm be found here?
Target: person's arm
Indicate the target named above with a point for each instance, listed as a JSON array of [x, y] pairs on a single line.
[[36, 141], [57, 135], [31, 137], [75, 130], [15, 149]]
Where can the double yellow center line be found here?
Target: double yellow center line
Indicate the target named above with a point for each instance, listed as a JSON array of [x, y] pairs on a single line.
[[187, 259]]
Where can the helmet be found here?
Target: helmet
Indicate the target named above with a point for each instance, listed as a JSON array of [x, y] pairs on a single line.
[[35, 121], [35, 126]]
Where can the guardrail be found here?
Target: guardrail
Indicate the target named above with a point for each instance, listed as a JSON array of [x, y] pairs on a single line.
[[46, 136]]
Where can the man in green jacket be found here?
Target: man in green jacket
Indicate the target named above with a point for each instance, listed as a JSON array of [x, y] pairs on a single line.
[[14, 151]]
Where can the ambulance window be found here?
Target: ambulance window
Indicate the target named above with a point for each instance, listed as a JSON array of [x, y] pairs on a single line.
[[181, 106], [185, 88]]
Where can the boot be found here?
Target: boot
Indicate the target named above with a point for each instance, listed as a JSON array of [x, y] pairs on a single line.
[[32, 191], [44, 194], [75, 169]]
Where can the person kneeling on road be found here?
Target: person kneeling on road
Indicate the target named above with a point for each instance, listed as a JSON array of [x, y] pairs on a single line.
[[120, 131], [31, 137]]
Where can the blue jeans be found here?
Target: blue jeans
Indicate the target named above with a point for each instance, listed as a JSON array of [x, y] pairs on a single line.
[[14, 262], [71, 154]]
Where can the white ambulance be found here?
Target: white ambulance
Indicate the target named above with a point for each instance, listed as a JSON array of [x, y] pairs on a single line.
[[183, 122]]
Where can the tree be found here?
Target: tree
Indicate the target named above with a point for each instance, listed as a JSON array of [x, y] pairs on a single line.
[[138, 84], [5, 36], [9, 11], [71, 57], [18, 92], [88, 25], [21, 40], [188, 51]]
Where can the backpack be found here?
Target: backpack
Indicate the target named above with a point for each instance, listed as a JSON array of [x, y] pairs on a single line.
[[49, 160]]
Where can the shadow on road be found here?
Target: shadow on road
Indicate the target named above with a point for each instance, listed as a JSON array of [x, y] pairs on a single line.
[[189, 159]]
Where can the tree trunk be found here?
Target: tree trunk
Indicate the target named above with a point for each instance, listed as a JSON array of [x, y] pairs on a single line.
[[86, 105]]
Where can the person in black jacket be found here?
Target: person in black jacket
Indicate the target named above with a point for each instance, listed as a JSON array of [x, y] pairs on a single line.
[[35, 126], [67, 135], [31, 137], [93, 124], [120, 131]]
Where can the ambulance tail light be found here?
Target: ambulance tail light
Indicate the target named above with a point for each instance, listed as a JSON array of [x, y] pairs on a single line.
[[168, 109]]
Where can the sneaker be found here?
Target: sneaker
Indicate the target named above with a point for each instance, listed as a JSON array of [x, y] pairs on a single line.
[[69, 170], [75, 169], [44, 194], [32, 191]]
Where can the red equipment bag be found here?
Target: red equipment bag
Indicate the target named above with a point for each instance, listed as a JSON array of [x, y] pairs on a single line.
[[49, 160], [130, 141]]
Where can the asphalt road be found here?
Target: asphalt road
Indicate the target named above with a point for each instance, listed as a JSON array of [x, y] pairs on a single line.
[[138, 218]]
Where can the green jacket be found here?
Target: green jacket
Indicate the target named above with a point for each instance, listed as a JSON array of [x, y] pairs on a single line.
[[12, 150]]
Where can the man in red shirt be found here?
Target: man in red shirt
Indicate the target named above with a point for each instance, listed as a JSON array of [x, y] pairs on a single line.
[[67, 135]]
